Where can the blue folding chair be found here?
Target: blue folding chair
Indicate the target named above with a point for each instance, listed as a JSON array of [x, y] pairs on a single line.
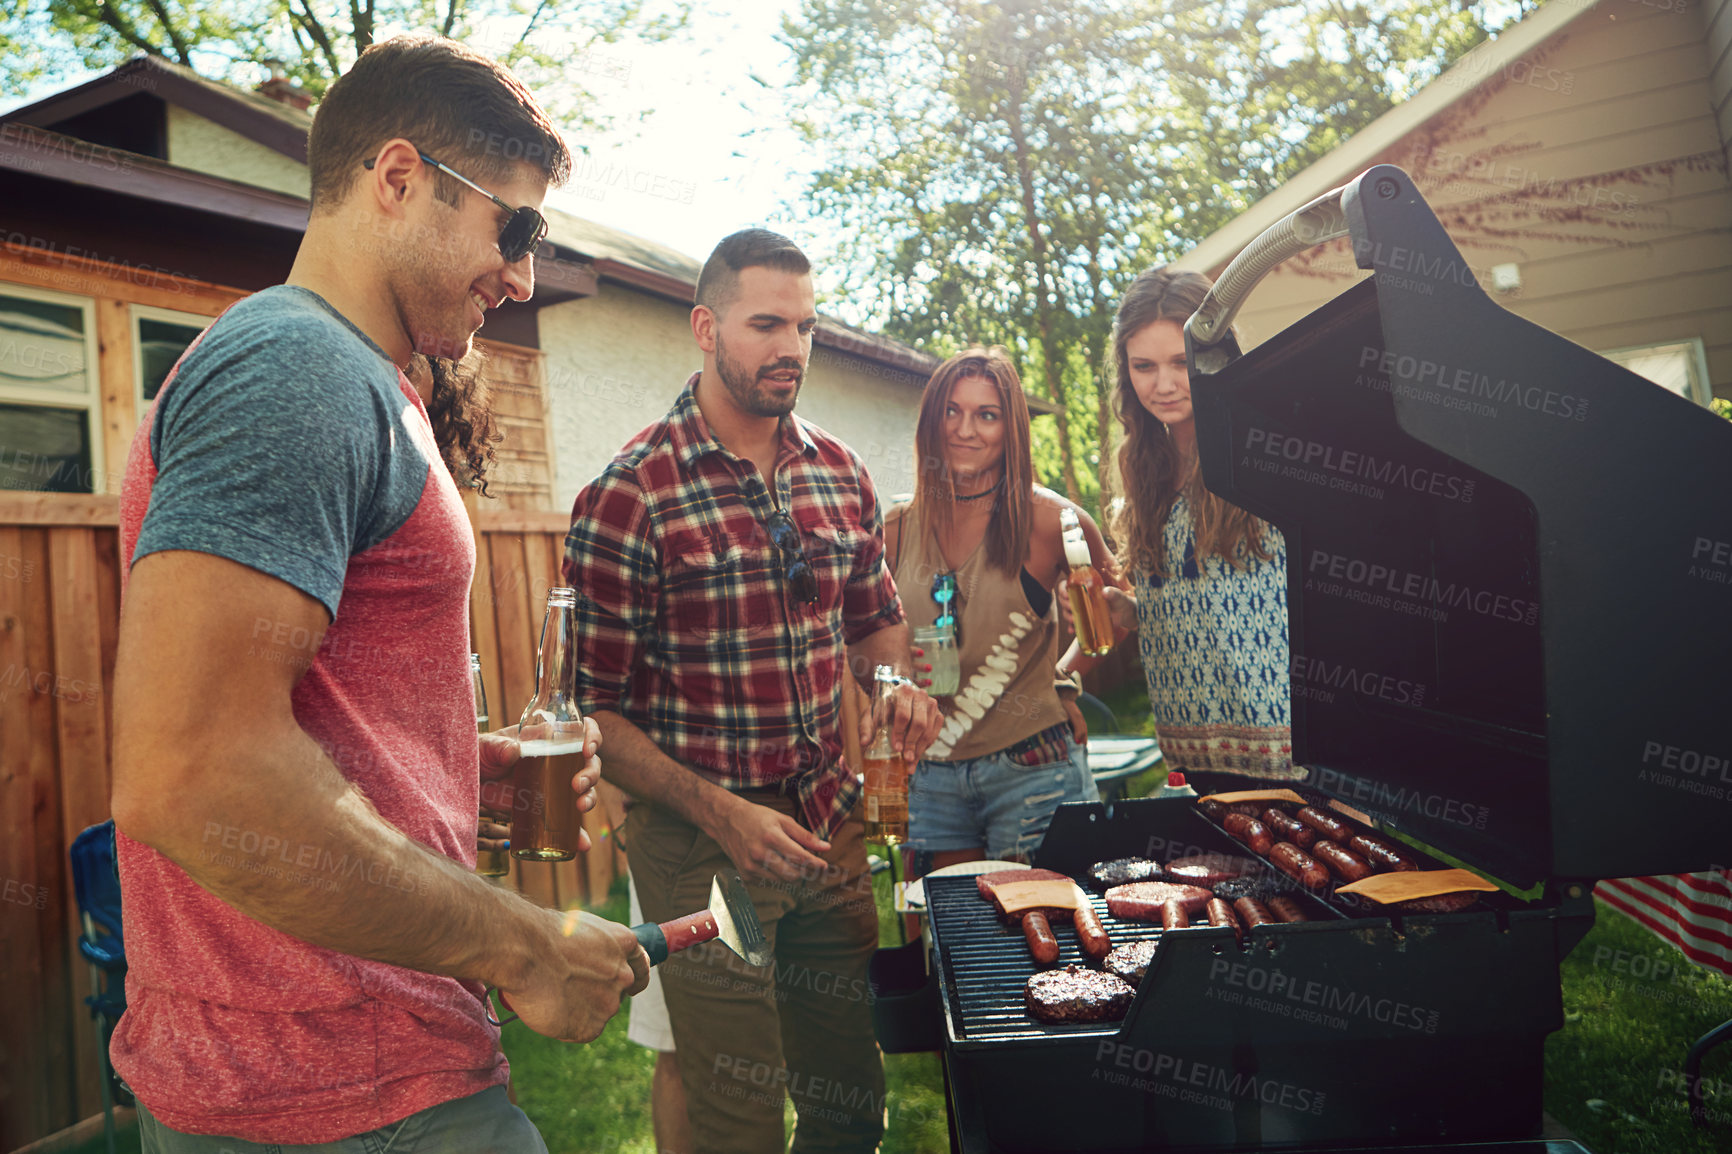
[[96, 883]]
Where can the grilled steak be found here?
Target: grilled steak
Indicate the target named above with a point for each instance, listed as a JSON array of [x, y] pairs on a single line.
[[1142, 901], [1122, 871], [1207, 869], [1131, 962], [1074, 994]]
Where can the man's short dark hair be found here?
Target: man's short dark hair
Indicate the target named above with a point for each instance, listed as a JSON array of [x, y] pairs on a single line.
[[453, 103], [719, 283]]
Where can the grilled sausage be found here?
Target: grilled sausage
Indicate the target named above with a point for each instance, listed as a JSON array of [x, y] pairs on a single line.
[[1343, 863], [1213, 810], [1253, 912], [1041, 944], [1289, 828], [1299, 865], [1332, 828], [1221, 914], [1174, 917], [1250, 831], [1090, 934], [1287, 909], [1216, 810], [1381, 854]]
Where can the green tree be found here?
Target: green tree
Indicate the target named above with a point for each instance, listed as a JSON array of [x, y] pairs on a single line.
[[545, 42], [1001, 171]]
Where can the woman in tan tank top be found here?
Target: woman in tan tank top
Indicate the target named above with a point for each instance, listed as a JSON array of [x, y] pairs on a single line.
[[1010, 751]]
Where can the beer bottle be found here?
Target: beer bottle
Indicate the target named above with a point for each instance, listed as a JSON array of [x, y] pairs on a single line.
[[544, 809], [885, 770], [1088, 590], [489, 863]]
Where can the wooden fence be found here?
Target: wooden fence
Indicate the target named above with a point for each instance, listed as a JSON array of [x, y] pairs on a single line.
[[59, 618]]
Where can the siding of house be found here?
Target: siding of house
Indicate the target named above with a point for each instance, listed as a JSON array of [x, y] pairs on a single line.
[[203, 145], [1716, 16], [617, 360], [1596, 165]]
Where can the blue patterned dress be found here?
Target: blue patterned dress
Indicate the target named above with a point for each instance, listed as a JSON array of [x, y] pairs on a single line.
[[1214, 647]]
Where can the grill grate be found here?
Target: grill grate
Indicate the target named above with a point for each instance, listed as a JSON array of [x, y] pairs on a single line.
[[985, 964]]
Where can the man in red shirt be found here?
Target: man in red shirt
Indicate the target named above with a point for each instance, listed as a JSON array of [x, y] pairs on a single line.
[[729, 565], [295, 758]]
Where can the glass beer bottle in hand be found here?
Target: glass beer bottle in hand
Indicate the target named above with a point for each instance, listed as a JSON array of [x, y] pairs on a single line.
[[1088, 590], [544, 821], [886, 773], [489, 863]]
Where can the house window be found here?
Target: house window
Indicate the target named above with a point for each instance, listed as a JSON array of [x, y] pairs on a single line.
[[50, 437], [159, 337], [1681, 366]]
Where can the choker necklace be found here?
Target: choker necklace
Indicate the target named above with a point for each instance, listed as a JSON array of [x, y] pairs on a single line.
[[986, 492]]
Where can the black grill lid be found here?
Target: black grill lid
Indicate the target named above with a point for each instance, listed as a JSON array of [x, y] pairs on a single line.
[[1509, 559]]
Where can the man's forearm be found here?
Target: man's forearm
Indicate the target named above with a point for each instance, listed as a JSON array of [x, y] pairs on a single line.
[[888, 646], [284, 838], [637, 765]]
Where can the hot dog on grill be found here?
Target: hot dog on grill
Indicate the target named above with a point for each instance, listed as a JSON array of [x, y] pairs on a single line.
[[1221, 914], [1250, 831], [1289, 828], [1299, 865], [1090, 934], [1216, 810], [1253, 912], [1332, 828], [1381, 854], [1174, 917], [1041, 944], [1287, 909], [1343, 863]]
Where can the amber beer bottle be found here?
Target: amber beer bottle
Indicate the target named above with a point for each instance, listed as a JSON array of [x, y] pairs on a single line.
[[886, 772], [1088, 591], [544, 809], [489, 863]]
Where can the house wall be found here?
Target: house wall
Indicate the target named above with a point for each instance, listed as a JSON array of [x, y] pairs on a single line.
[[204, 145], [1596, 164], [1716, 17], [616, 362]]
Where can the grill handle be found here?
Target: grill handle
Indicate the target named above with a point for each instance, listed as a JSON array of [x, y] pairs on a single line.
[[1322, 220]]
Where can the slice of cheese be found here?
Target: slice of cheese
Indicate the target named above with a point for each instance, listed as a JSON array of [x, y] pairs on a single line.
[[1256, 795], [1406, 885], [1019, 897]]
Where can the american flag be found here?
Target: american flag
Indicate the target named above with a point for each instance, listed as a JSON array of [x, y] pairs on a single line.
[[1692, 911]]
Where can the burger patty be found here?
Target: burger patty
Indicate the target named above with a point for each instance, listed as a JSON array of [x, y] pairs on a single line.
[[1121, 871], [1207, 869], [1074, 994], [1131, 962]]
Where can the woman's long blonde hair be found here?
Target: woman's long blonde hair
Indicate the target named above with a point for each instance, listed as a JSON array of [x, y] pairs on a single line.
[[934, 492], [1152, 470]]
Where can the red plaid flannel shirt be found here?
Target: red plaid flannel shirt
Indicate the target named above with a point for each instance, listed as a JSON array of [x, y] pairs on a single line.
[[686, 625]]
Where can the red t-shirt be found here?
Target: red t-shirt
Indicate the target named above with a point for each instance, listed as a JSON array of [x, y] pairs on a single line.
[[318, 468]]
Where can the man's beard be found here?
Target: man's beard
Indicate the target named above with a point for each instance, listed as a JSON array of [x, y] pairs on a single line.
[[748, 390]]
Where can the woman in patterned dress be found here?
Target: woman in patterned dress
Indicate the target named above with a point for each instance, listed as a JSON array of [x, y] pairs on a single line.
[[1209, 580]]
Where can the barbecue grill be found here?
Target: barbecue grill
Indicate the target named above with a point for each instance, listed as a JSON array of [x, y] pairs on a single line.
[[1506, 621]]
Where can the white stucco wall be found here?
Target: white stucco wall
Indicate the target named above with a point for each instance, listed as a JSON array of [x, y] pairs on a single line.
[[206, 146], [617, 360]]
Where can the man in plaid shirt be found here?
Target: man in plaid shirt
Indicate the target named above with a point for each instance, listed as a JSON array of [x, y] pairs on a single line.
[[729, 563]]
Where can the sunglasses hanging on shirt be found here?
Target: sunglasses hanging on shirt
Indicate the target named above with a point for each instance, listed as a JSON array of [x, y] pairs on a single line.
[[785, 536]]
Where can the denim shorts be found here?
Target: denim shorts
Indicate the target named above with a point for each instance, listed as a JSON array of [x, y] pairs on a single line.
[[483, 1123], [992, 802]]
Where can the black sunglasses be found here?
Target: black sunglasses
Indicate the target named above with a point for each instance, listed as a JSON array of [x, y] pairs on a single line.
[[786, 538], [526, 228]]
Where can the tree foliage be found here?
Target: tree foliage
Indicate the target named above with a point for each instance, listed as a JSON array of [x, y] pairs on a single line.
[[544, 41], [1000, 171]]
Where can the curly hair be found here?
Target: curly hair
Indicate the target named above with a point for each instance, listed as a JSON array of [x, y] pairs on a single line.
[[462, 416], [1154, 472]]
